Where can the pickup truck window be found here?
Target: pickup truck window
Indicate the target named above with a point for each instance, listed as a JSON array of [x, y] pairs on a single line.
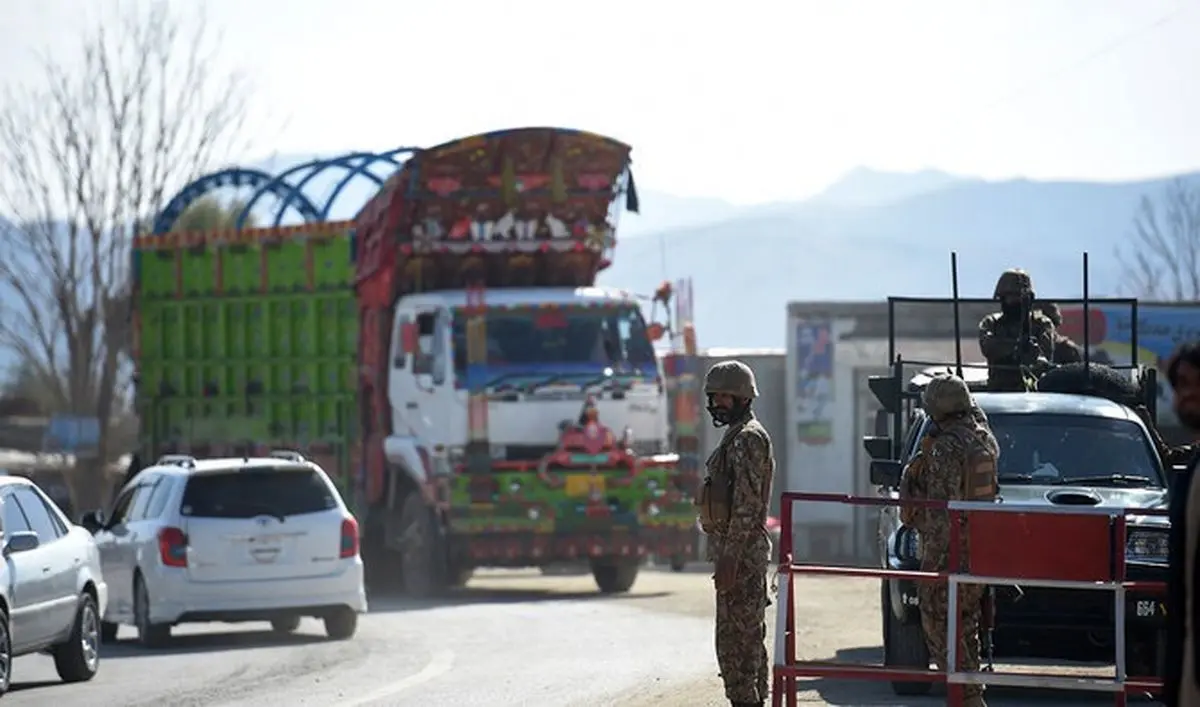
[[1067, 449]]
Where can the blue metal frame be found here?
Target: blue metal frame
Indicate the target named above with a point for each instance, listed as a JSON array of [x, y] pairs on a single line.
[[289, 195]]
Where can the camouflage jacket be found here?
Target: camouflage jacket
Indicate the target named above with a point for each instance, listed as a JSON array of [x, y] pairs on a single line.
[[744, 460], [1000, 338], [1066, 350], [943, 476]]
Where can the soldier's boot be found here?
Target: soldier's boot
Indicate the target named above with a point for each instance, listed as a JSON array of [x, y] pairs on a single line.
[[748, 704]]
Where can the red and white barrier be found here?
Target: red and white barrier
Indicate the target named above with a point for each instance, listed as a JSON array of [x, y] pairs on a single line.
[[1007, 548]]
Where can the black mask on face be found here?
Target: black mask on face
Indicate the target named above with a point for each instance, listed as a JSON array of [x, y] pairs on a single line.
[[722, 416]]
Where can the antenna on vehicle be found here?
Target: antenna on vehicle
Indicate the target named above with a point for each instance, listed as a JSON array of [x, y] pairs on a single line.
[[958, 368], [1087, 327]]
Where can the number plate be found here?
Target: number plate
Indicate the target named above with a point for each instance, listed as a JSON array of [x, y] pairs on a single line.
[[584, 484], [1149, 608]]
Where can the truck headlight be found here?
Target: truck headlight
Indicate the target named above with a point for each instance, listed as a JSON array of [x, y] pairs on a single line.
[[1146, 545]]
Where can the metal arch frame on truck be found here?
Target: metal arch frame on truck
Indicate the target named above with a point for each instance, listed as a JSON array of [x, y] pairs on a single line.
[[317, 166], [231, 177]]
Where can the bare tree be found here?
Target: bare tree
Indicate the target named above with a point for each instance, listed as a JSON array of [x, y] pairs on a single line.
[[1161, 260], [88, 152]]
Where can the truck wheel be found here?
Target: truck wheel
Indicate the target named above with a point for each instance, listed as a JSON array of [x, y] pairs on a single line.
[[615, 576], [459, 576], [421, 567], [903, 646]]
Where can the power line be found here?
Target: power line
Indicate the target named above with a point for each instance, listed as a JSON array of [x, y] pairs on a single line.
[[974, 114]]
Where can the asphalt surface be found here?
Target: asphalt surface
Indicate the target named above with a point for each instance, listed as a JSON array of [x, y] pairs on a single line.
[[510, 638]]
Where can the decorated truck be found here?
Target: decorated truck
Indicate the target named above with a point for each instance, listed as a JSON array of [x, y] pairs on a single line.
[[446, 356]]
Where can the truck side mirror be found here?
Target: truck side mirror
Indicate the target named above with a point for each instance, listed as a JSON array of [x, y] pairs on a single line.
[[878, 447], [886, 472]]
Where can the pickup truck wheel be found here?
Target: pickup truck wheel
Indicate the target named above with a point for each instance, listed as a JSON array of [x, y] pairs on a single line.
[[903, 647], [615, 576], [421, 568]]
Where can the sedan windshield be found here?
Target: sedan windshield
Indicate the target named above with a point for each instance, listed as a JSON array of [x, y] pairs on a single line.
[[1065, 449]]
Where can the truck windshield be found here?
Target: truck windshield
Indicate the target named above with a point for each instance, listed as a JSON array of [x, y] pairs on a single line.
[[1065, 449], [565, 335]]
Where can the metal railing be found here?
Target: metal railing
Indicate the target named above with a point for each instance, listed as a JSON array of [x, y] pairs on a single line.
[[1089, 553]]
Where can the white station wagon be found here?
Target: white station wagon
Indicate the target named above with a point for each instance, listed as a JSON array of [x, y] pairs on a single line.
[[52, 592], [229, 540]]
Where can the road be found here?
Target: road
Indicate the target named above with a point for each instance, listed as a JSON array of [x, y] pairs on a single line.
[[510, 638]]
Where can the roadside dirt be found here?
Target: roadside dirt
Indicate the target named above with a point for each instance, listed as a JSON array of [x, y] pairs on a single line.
[[838, 619]]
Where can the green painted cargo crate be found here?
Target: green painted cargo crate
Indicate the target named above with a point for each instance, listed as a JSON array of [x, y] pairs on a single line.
[[249, 345]]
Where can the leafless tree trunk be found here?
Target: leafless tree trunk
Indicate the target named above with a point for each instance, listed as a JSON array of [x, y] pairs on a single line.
[[87, 153], [1161, 260]]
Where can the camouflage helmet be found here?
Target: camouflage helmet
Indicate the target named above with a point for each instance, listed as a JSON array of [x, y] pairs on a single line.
[[1051, 311], [946, 395], [732, 378], [1013, 281]]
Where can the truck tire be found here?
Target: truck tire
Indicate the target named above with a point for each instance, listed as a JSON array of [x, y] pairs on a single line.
[[422, 567], [615, 575], [903, 646], [459, 576]]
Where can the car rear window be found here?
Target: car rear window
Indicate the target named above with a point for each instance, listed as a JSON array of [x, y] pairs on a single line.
[[248, 493]]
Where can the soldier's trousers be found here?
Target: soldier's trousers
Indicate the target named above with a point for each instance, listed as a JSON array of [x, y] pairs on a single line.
[[934, 599], [742, 634]]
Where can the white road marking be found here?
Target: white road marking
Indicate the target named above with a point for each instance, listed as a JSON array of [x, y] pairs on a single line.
[[438, 666]]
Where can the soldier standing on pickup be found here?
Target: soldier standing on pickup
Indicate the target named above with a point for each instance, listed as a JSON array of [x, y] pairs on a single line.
[[732, 506], [960, 456], [1017, 339], [1065, 349], [1181, 679]]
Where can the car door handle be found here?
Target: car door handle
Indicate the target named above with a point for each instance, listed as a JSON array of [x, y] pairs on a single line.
[[45, 570], [411, 406]]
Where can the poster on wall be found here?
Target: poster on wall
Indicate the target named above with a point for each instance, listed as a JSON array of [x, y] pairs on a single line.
[[1160, 329], [814, 382]]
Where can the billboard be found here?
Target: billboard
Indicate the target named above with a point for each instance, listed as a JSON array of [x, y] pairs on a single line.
[[1160, 329], [814, 382]]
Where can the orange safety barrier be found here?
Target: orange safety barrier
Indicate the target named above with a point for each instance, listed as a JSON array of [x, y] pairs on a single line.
[[1088, 553]]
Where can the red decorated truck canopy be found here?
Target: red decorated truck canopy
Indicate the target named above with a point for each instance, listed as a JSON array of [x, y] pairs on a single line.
[[512, 208]]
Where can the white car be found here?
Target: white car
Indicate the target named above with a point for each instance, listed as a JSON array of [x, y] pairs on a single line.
[[51, 587], [232, 540]]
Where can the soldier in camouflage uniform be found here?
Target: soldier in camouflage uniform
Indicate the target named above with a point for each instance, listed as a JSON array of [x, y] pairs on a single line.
[[1065, 349], [732, 506], [1016, 340], [958, 463]]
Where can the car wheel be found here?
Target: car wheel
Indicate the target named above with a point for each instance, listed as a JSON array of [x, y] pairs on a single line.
[[150, 635], [108, 632], [903, 646], [287, 624], [341, 624], [615, 576], [6, 656], [78, 659]]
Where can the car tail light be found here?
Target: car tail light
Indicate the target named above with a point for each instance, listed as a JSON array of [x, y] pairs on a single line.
[[349, 538], [172, 547]]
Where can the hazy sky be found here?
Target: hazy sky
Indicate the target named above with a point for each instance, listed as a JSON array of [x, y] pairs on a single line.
[[749, 101]]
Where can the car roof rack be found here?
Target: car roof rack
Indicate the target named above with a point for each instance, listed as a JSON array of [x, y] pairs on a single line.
[[186, 461], [288, 454], [899, 392]]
